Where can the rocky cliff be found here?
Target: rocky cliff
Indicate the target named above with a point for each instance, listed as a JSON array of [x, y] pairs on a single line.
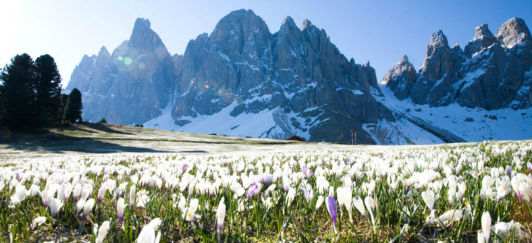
[[492, 72], [298, 75]]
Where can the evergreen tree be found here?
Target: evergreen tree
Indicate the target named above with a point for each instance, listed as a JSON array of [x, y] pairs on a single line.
[[48, 104], [73, 106], [17, 93]]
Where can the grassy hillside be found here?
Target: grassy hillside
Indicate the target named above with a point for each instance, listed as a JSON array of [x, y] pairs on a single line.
[[89, 138]]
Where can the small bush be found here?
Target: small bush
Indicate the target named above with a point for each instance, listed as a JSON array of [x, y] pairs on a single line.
[[296, 138]]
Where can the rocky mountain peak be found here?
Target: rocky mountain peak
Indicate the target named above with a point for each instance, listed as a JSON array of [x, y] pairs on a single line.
[[103, 52], [482, 39], [483, 32], [306, 24], [403, 61], [513, 32], [438, 39], [103, 56], [144, 38], [239, 22], [288, 24], [238, 29], [401, 78]]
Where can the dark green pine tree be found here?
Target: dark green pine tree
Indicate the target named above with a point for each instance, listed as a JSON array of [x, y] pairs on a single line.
[[73, 106], [48, 104], [17, 91]]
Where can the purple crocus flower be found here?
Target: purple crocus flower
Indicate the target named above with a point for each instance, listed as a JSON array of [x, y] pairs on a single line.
[[333, 209], [267, 179], [309, 173], [184, 168], [253, 190], [519, 196], [509, 170], [529, 166]]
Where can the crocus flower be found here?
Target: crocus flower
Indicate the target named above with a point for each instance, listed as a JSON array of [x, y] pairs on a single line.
[[253, 190], [37, 221], [319, 202], [19, 196], [506, 229], [486, 225], [428, 198], [67, 190], [147, 234], [359, 205], [332, 208], [120, 206], [345, 199], [87, 191], [190, 212], [87, 208], [132, 196], [220, 216], [102, 232], [55, 205], [79, 205], [76, 192], [101, 193], [370, 204]]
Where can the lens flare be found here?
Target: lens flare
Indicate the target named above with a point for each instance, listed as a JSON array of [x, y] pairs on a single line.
[[127, 61]]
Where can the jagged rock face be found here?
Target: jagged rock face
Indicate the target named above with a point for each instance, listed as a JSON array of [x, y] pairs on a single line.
[[297, 73], [483, 39], [131, 85], [491, 73], [401, 78]]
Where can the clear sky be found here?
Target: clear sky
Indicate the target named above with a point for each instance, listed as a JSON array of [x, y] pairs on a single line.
[[375, 30]]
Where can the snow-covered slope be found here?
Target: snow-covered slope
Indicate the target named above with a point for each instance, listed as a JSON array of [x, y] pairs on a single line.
[[470, 124]]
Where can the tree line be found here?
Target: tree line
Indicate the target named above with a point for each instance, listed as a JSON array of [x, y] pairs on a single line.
[[31, 95]]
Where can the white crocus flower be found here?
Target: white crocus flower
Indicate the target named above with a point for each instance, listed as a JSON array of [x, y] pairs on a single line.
[[76, 192], [486, 225], [79, 205], [37, 221], [319, 202], [147, 234], [370, 205], [55, 205], [102, 232], [120, 206], [345, 197], [190, 214], [132, 194], [20, 194], [87, 208], [359, 205], [428, 198], [220, 216]]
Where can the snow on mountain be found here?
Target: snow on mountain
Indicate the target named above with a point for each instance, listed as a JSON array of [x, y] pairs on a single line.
[[470, 124]]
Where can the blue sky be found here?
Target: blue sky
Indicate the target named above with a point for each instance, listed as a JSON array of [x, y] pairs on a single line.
[[369, 30]]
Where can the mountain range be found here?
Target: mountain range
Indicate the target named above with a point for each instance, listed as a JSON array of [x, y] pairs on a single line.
[[243, 80]]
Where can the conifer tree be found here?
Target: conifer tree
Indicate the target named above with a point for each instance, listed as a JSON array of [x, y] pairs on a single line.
[[48, 102], [17, 93], [73, 106]]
